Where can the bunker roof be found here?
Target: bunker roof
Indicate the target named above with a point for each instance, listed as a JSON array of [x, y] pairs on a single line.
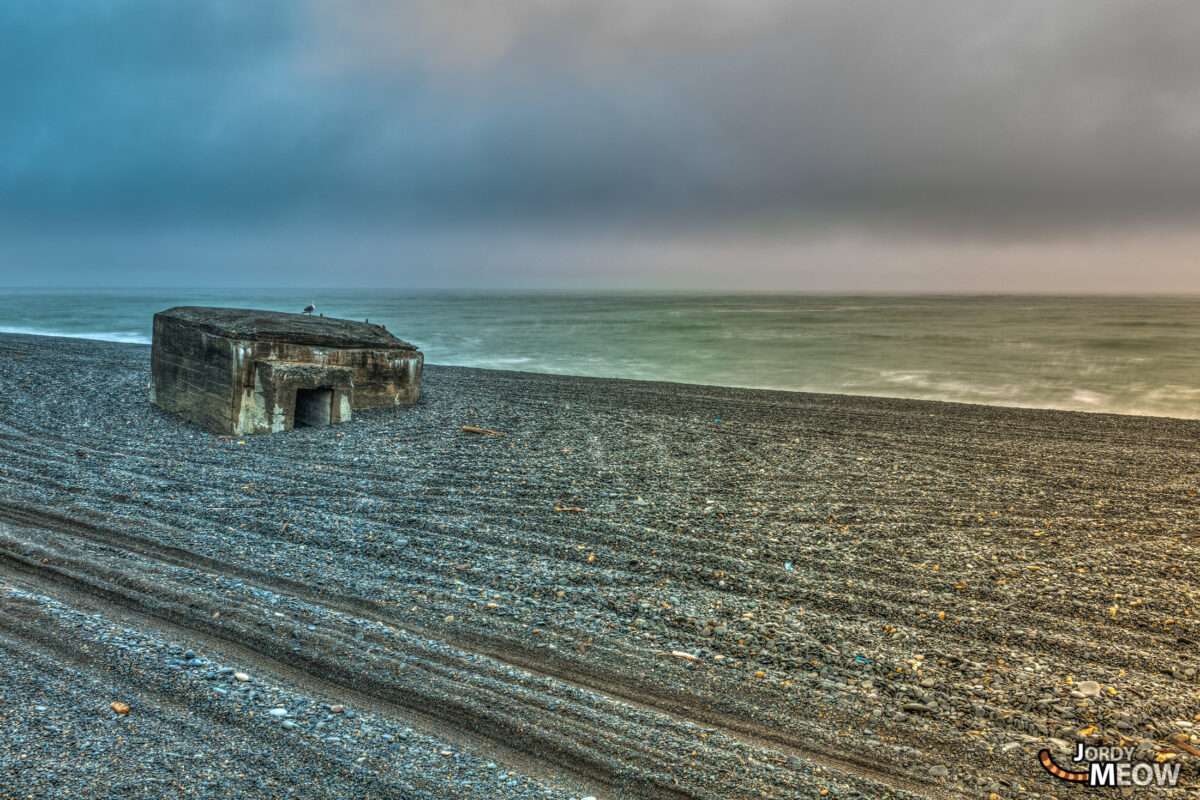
[[254, 325]]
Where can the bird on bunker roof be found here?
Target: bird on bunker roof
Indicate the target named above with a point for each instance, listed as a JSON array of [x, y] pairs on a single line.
[[311, 307]]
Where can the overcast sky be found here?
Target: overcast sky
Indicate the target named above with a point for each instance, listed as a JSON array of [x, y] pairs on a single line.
[[748, 144]]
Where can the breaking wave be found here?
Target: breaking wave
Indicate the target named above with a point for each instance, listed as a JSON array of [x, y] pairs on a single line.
[[127, 337]]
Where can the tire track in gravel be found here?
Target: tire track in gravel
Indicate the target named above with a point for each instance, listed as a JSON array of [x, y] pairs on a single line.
[[22, 639], [819, 594], [500, 649], [584, 736], [883, 602], [526, 747], [503, 650]]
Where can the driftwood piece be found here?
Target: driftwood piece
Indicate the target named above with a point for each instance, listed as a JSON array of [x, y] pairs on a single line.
[[472, 429]]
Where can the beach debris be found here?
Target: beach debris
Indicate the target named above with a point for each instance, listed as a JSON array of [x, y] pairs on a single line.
[[484, 431], [119, 707], [1181, 741], [787, 565], [241, 676], [679, 654], [575, 509]]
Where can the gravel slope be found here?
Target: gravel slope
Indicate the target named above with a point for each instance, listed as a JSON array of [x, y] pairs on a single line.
[[644, 590]]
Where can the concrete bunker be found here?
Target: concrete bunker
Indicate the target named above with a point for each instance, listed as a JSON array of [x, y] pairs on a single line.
[[244, 371]]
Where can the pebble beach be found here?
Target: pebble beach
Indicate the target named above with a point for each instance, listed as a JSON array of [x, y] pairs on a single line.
[[629, 590]]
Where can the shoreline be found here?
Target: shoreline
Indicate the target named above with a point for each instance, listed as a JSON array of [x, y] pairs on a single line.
[[736, 388], [867, 593]]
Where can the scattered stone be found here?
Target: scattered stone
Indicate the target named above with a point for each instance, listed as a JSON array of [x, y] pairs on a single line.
[[950, 529]]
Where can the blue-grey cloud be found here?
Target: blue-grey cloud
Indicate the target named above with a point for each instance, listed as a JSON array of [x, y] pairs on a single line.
[[981, 118]]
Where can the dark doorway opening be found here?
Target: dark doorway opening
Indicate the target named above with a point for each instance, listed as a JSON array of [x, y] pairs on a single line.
[[314, 407]]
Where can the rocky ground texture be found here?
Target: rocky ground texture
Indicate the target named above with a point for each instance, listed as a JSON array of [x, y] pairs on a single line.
[[638, 590]]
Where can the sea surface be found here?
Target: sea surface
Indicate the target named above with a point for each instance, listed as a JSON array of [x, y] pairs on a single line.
[[1129, 355]]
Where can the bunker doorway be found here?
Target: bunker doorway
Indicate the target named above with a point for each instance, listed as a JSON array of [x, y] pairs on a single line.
[[314, 407]]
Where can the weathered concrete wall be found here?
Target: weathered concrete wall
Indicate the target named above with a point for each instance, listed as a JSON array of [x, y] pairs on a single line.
[[382, 377], [190, 374], [243, 386], [268, 405]]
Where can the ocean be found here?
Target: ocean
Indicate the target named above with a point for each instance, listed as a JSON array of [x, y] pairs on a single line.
[[1128, 355]]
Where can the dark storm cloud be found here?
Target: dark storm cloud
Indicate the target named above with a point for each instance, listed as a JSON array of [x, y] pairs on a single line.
[[929, 116]]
